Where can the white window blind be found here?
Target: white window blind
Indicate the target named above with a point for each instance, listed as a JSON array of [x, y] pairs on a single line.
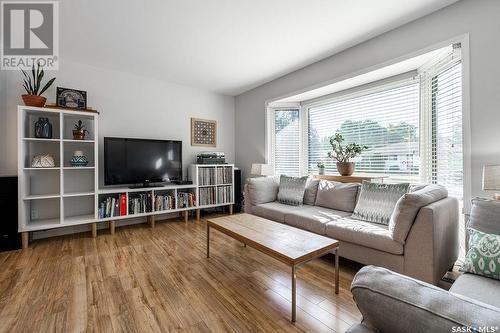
[[386, 120], [447, 147], [286, 141]]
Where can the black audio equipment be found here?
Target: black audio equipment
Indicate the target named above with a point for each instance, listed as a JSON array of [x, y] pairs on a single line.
[[238, 193], [10, 239]]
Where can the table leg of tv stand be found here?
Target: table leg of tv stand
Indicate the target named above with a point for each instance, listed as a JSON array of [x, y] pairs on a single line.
[[151, 221], [197, 215], [230, 209], [112, 227], [94, 230], [186, 216]]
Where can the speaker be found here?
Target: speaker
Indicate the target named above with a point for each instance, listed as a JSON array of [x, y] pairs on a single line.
[[10, 239], [238, 193]]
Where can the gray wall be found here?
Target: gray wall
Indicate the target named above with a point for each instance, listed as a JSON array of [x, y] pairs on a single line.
[[479, 18], [130, 106]]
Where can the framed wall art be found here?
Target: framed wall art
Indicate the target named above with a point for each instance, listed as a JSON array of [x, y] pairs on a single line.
[[71, 98], [203, 132]]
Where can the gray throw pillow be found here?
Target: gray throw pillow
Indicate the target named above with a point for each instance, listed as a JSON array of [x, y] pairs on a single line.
[[338, 196], [377, 201], [291, 190], [262, 190], [311, 191], [485, 215]]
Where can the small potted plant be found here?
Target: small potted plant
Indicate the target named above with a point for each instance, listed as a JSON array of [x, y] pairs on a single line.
[[32, 84], [79, 131], [343, 154], [321, 168]]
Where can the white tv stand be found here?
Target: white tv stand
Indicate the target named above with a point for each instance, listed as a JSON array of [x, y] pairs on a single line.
[[65, 195]]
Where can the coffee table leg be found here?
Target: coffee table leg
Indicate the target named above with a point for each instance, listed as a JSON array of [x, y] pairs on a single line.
[[294, 294], [208, 241], [337, 271]]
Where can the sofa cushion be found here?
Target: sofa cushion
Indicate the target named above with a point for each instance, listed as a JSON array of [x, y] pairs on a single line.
[[483, 256], [407, 208], [262, 189], [373, 235], [377, 201], [291, 190], [313, 218], [484, 215], [311, 191], [274, 211], [478, 287], [338, 196]]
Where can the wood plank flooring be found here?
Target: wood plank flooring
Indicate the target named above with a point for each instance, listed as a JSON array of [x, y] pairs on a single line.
[[159, 280]]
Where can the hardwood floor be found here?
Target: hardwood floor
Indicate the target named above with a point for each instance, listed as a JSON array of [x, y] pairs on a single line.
[[159, 280]]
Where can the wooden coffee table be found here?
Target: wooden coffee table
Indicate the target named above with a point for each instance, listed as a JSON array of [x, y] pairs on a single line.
[[287, 244]]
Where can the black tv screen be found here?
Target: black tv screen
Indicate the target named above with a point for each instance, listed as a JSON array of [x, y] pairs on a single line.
[[141, 161]]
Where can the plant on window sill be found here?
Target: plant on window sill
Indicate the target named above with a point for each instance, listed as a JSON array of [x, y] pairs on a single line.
[[344, 154]]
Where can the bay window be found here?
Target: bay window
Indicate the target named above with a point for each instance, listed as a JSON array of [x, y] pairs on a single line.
[[412, 125]]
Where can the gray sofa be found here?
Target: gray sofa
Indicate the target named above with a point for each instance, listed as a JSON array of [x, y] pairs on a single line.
[[421, 241], [390, 302]]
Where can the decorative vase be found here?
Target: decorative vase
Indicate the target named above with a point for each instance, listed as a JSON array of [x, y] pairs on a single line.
[[43, 128], [346, 168], [34, 100], [321, 171], [78, 134], [78, 159]]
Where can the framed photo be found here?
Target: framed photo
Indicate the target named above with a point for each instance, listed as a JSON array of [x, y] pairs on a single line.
[[203, 132], [71, 98]]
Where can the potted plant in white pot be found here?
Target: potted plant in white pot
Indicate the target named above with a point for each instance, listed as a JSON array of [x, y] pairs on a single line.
[[33, 86], [321, 168], [344, 154]]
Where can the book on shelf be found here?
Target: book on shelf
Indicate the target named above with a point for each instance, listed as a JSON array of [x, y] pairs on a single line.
[[113, 206], [140, 203], [186, 199], [206, 176], [164, 202], [123, 204], [224, 175], [224, 194], [207, 196]]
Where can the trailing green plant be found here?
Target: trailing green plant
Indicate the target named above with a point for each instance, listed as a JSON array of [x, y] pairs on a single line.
[[320, 165], [80, 127], [33, 83], [344, 153]]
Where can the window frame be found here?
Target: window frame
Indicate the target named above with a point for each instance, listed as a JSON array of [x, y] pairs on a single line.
[[463, 39], [397, 81]]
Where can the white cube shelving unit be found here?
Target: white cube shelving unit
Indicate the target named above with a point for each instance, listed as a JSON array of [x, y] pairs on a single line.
[[215, 183], [62, 195]]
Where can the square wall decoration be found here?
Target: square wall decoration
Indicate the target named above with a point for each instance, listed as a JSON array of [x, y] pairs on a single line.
[[203, 132]]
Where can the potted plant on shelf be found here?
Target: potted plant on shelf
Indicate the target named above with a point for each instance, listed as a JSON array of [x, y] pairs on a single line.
[[344, 154], [32, 84], [79, 131], [321, 168]]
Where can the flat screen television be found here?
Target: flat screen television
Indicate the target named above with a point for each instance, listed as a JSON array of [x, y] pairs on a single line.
[[130, 161]]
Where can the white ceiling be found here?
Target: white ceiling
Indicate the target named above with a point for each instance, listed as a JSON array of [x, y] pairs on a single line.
[[225, 46], [405, 66]]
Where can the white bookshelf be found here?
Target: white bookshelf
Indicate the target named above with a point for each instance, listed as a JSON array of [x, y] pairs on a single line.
[[62, 195], [215, 184]]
